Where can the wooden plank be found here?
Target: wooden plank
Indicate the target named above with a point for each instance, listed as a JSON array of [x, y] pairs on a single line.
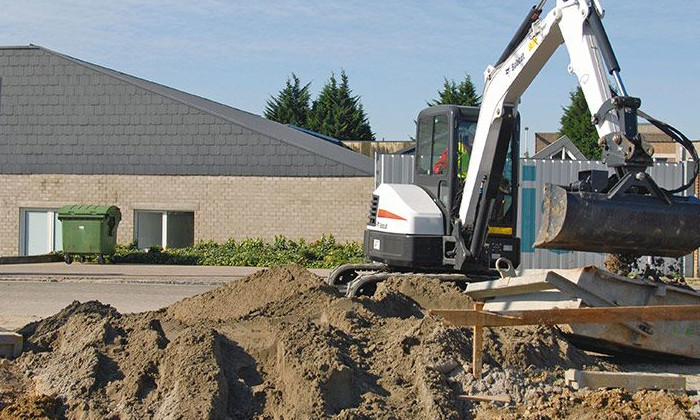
[[555, 316], [486, 398], [470, 318], [477, 344]]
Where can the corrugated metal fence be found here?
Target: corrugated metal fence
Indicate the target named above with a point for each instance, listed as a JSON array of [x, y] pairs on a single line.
[[393, 169], [534, 173]]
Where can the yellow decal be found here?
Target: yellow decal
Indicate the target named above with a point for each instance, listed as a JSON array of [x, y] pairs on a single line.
[[532, 44], [495, 230]]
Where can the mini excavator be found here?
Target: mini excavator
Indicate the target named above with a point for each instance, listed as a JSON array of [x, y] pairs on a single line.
[[455, 221]]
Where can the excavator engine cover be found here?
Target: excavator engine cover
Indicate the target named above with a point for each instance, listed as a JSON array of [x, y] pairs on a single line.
[[625, 224]]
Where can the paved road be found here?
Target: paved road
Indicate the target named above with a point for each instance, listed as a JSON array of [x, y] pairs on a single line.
[[22, 302], [29, 292], [127, 273]]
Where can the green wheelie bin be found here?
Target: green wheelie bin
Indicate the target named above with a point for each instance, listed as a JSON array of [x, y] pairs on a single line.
[[89, 230]]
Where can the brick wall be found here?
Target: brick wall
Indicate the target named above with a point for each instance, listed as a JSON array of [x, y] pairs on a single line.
[[224, 207]]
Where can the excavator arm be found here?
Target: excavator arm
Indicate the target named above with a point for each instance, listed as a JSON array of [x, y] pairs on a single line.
[[588, 218]]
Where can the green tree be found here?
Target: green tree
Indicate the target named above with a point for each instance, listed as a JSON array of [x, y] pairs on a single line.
[[291, 105], [463, 93], [576, 124], [337, 113]]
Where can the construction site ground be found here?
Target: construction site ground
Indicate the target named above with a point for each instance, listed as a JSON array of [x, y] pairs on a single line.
[[223, 342]]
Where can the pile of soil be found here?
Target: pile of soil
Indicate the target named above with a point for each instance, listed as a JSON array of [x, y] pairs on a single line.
[[281, 344]]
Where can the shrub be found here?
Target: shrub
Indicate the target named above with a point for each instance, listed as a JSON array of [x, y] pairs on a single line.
[[254, 252]]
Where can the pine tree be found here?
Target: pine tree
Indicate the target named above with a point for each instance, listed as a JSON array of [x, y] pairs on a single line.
[[576, 124], [337, 113], [291, 105], [321, 116], [454, 94]]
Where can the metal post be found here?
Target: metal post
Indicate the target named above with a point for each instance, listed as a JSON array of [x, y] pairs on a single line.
[[527, 143]]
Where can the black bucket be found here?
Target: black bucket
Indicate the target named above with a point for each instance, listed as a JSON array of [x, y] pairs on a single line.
[[625, 224]]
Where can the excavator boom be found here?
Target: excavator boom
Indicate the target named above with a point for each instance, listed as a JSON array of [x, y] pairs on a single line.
[[625, 213]]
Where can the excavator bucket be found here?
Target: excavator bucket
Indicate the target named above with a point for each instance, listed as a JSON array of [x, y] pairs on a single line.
[[625, 224]]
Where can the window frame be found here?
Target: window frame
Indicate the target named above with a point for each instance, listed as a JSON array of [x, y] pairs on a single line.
[[52, 227], [163, 228]]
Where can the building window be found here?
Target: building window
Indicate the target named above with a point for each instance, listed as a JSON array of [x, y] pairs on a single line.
[[168, 229], [40, 231]]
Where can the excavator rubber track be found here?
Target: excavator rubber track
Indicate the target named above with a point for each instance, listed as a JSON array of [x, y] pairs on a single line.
[[357, 279]]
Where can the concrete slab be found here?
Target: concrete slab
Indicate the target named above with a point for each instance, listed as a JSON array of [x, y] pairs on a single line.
[[631, 381], [10, 344], [508, 286]]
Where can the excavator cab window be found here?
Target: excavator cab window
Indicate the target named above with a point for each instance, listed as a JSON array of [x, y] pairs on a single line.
[[434, 155], [424, 146], [465, 141], [433, 139], [443, 148]]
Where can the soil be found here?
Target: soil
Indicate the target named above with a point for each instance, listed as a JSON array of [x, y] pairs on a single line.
[[281, 344]]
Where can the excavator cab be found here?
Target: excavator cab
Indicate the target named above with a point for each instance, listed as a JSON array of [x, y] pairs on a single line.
[[444, 141]]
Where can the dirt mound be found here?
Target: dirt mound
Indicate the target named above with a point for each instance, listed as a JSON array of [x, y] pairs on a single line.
[[282, 344], [253, 295], [17, 399]]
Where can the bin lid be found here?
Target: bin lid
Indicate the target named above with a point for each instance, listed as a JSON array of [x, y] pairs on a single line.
[[88, 211]]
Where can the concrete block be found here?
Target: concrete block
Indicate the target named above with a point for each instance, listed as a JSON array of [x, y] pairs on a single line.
[[10, 344], [631, 381]]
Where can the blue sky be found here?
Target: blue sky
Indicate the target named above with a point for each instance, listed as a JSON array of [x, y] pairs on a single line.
[[395, 53]]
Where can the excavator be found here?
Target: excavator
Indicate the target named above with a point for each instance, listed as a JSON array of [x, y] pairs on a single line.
[[457, 220]]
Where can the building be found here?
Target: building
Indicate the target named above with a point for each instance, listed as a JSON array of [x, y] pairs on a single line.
[[373, 148], [543, 140], [561, 149], [665, 148], [180, 167]]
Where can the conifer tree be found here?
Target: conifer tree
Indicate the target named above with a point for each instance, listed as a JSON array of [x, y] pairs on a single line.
[[291, 105], [576, 124], [452, 93], [339, 114]]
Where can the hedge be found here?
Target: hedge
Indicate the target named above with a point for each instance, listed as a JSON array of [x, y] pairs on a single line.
[[253, 252]]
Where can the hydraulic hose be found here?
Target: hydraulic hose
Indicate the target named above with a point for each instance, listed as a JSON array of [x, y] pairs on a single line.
[[532, 16], [680, 138]]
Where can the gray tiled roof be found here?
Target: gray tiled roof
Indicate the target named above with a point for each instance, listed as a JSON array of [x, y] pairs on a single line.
[[555, 148], [59, 114]]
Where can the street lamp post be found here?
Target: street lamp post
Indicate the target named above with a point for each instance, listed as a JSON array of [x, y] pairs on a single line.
[[527, 143]]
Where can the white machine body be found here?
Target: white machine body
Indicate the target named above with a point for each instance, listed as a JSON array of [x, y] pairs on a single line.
[[407, 209]]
